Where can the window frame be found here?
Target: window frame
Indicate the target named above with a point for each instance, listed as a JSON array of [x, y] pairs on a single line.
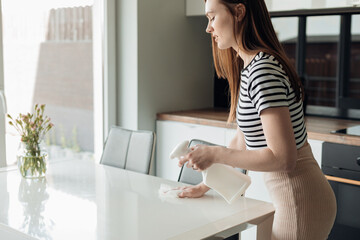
[[2, 103], [105, 101]]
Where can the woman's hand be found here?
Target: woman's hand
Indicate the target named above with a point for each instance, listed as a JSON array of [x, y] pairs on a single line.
[[193, 191], [200, 158]]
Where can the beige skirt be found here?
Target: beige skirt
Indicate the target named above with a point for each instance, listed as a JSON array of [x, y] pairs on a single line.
[[305, 204]]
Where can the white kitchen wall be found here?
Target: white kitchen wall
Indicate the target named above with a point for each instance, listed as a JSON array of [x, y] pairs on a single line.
[[164, 61], [175, 61]]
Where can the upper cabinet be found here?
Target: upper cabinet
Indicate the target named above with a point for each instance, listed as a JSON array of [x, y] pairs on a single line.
[[196, 7]]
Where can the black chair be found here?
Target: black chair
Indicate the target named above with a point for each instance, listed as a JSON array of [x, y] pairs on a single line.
[[129, 149]]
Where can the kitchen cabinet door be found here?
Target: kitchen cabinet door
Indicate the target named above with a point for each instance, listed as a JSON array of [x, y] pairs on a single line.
[[316, 147], [170, 133], [257, 189], [229, 135]]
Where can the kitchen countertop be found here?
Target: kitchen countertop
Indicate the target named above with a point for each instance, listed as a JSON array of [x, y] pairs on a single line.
[[318, 128]]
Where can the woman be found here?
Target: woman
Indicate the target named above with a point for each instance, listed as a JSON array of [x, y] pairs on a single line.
[[266, 102]]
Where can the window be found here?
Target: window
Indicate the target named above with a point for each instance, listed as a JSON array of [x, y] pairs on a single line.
[[48, 59], [322, 37], [353, 88]]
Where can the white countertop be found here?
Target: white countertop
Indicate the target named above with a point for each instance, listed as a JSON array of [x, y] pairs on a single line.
[[83, 200]]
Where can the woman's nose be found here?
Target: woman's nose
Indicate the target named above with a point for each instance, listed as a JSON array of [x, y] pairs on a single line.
[[209, 29]]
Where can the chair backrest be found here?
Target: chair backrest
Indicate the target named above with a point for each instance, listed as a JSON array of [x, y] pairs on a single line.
[[129, 149], [190, 176]]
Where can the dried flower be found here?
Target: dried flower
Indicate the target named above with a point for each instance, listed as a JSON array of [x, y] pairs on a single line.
[[32, 128]]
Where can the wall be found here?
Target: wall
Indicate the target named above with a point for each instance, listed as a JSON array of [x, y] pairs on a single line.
[[164, 61]]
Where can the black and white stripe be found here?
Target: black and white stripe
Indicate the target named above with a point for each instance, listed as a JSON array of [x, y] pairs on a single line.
[[264, 84]]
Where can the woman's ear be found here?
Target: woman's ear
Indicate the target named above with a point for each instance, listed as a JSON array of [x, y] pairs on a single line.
[[240, 11]]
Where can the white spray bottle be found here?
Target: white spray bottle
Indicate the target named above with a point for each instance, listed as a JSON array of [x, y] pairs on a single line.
[[224, 179]]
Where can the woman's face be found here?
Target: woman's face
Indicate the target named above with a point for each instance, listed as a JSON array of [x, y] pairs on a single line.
[[221, 24]]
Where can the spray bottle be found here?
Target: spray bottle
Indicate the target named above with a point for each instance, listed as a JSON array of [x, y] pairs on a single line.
[[229, 182]]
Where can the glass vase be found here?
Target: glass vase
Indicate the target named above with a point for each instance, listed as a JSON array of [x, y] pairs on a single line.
[[31, 160]]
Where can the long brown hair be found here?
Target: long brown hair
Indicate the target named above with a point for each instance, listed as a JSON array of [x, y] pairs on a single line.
[[254, 32]]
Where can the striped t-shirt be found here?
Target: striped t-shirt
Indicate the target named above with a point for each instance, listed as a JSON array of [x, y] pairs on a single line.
[[264, 84]]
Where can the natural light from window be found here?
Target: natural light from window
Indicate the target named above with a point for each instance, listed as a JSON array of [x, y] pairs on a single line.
[[47, 48]]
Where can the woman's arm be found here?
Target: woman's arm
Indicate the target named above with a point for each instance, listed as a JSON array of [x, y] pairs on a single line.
[[279, 155]]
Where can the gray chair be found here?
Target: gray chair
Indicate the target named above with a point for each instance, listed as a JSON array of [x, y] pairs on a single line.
[[129, 149], [190, 176]]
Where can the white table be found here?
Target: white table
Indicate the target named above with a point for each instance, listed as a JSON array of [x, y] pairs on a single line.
[[84, 200]]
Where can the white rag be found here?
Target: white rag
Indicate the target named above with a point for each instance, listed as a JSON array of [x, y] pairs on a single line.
[[169, 193]]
